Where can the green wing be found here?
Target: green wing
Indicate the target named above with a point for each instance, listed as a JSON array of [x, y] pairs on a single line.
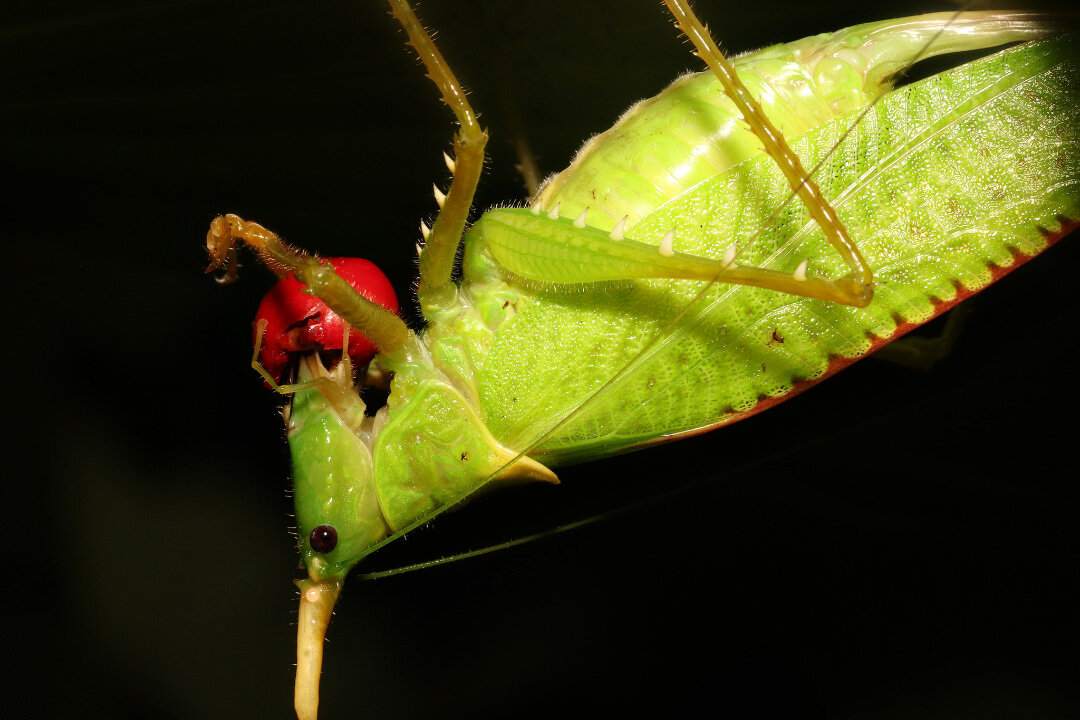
[[946, 184]]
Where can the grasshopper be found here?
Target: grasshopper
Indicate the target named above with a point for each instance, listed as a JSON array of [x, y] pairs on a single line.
[[741, 236]]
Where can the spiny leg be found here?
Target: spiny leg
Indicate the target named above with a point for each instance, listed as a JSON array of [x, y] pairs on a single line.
[[437, 259], [383, 327], [854, 289], [548, 248]]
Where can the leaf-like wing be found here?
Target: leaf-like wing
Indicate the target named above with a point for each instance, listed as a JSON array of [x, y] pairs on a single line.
[[945, 184]]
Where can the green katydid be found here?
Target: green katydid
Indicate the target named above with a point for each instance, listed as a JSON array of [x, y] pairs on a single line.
[[644, 263]]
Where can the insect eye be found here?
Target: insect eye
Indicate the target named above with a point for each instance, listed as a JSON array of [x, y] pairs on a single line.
[[323, 539]]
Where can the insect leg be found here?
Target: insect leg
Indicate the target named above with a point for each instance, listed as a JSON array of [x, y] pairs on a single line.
[[385, 329], [437, 259], [553, 249], [857, 287]]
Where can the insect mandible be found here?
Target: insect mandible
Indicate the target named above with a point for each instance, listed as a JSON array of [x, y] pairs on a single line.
[[654, 276]]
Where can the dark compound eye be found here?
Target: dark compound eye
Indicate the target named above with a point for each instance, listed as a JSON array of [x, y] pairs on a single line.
[[323, 539]]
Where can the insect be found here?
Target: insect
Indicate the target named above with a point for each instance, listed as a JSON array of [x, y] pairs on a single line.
[[466, 394]]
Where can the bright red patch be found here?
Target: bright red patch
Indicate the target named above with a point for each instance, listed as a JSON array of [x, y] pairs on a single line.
[[298, 322]]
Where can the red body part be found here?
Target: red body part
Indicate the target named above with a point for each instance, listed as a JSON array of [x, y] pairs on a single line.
[[297, 322]]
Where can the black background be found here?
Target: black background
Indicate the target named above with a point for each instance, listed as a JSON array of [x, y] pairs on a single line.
[[891, 544]]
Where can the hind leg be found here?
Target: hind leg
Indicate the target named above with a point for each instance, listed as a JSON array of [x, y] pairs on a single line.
[[857, 288]]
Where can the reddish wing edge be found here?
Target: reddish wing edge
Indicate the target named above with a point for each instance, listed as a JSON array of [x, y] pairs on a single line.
[[838, 363]]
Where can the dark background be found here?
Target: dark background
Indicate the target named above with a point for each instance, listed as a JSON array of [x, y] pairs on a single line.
[[892, 544]]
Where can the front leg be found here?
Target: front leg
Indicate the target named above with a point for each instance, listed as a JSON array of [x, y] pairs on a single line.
[[384, 328]]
